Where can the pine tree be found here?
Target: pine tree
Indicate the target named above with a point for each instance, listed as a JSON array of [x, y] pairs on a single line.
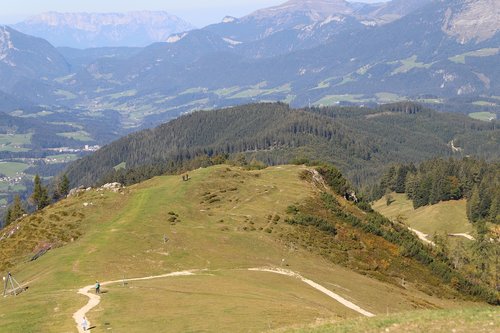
[[494, 213], [399, 186], [15, 211], [62, 188], [40, 195], [473, 205]]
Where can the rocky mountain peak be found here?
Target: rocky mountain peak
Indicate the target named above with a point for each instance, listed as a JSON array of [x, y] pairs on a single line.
[[6, 44], [317, 9], [83, 30], [95, 21]]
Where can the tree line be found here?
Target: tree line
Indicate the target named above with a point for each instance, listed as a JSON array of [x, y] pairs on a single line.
[[475, 180], [41, 197], [360, 141], [476, 278]]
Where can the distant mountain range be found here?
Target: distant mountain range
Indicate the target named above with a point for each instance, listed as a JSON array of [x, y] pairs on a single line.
[[85, 30], [315, 52]]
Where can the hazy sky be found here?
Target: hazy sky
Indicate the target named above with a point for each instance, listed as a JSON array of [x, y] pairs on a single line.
[[198, 12]]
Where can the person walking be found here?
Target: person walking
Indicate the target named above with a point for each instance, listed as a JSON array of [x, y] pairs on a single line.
[[84, 324], [97, 287]]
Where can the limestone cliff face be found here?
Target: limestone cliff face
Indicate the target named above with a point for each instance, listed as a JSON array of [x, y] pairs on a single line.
[[472, 20], [83, 30]]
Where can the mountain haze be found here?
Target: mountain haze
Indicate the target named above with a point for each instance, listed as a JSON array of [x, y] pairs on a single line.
[[28, 65], [313, 52], [85, 30], [301, 56]]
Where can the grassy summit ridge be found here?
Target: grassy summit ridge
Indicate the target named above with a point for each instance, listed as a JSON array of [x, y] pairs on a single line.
[[221, 222]]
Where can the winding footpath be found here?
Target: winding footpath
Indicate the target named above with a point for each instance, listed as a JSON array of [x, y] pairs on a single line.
[[469, 237], [95, 299], [316, 286], [422, 236]]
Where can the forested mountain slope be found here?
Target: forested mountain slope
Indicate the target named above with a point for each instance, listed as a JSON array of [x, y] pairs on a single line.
[[360, 141]]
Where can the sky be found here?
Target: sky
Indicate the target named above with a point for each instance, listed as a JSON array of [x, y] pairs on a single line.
[[198, 12]]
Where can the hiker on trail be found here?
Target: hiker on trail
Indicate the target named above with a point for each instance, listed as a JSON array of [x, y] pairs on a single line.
[[84, 324], [97, 287]]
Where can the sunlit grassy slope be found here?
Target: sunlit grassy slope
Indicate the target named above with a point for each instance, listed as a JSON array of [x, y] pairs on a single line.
[[444, 217], [220, 223], [480, 320]]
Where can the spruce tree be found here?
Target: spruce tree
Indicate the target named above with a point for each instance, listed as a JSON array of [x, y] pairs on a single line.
[[64, 185], [62, 188], [40, 195], [473, 205], [15, 211]]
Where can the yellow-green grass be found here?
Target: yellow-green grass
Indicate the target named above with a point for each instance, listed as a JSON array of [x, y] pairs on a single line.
[[444, 217], [78, 126], [408, 64], [346, 79], [194, 91], [122, 165], [63, 157], [260, 90], [484, 103], [289, 99], [322, 85], [65, 94], [11, 169], [230, 301], [430, 100], [219, 215], [14, 142], [473, 319], [363, 70], [227, 91], [484, 116], [38, 114], [335, 99], [126, 93], [7, 187], [78, 135], [253, 92], [460, 59], [63, 79], [386, 97]]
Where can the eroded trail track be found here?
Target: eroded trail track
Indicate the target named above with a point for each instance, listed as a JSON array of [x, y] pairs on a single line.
[[95, 299]]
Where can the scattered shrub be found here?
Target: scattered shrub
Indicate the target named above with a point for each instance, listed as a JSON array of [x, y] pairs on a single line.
[[292, 209]]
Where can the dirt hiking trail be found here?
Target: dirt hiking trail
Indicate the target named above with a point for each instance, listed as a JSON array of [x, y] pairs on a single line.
[[95, 299]]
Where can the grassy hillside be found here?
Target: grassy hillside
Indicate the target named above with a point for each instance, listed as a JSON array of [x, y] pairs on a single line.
[[220, 223], [481, 320], [444, 217]]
